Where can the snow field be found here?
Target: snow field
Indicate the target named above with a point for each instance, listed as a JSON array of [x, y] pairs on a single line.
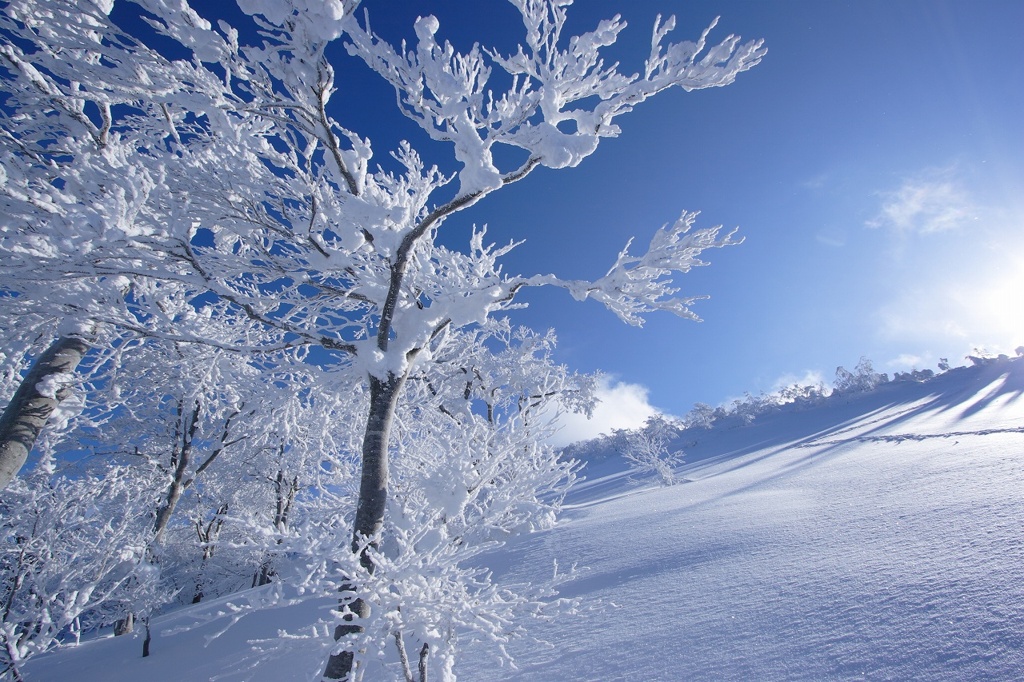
[[813, 546]]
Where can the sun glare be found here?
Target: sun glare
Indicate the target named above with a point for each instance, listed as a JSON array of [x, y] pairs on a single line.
[[971, 296], [1001, 306]]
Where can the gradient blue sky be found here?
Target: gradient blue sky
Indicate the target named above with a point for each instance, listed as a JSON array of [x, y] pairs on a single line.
[[874, 162]]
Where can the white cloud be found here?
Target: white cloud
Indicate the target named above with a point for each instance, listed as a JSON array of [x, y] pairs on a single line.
[[831, 236], [622, 406], [810, 377], [907, 361], [816, 182], [926, 204], [944, 296]]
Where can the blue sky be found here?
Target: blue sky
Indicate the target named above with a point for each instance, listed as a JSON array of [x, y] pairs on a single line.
[[874, 162]]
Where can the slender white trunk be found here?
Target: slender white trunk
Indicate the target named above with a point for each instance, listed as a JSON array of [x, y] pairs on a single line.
[[27, 413], [373, 498]]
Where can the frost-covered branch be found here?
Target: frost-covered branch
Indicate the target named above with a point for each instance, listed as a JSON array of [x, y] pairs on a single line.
[[449, 95], [638, 285]]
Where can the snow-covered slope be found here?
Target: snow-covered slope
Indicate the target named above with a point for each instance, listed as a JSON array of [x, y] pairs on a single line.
[[878, 536]]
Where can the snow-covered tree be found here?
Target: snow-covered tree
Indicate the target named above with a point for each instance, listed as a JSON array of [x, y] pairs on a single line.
[[471, 470], [701, 416], [227, 180], [71, 559], [647, 450], [37, 396], [39, 368], [211, 450], [862, 378], [165, 413]]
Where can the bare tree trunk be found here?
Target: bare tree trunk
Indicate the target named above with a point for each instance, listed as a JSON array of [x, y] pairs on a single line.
[[285, 492], [180, 458], [146, 642], [423, 662], [373, 484], [373, 498], [26, 414], [208, 537], [125, 625], [403, 657]]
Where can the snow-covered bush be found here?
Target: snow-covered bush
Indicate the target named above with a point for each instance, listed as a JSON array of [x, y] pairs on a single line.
[[981, 356], [746, 410], [702, 416], [914, 375], [862, 379], [803, 395], [647, 450]]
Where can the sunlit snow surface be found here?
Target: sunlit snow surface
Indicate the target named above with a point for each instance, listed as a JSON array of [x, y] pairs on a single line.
[[879, 536]]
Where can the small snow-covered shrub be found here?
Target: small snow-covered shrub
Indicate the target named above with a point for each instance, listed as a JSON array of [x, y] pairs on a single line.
[[702, 416], [802, 395], [746, 410], [863, 378], [647, 450], [915, 375], [982, 356]]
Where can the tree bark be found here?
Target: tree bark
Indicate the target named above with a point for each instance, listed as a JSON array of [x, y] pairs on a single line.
[[147, 641], [208, 538], [179, 460], [423, 662], [373, 484], [28, 411], [373, 498], [285, 491], [125, 626]]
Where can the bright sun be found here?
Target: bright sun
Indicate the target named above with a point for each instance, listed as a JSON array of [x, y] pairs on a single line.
[[970, 296], [1000, 306]]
